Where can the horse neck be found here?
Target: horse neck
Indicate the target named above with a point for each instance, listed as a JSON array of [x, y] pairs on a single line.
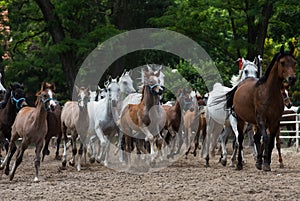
[[177, 106], [83, 115], [149, 99], [40, 113], [274, 82]]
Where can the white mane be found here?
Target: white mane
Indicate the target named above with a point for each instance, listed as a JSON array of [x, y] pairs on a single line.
[[249, 69]]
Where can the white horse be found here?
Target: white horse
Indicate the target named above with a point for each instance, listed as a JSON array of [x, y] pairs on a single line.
[[125, 85], [2, 89], [102, 118], [217, 116]]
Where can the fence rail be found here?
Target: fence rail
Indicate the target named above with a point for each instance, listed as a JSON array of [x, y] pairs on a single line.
[[297, 135]]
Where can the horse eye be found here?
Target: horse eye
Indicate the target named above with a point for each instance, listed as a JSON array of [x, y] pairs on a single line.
[[246, 72], [282, 63], [125, 83]]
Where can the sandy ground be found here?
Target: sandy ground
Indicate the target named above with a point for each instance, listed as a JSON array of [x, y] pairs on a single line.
[[185, 179]]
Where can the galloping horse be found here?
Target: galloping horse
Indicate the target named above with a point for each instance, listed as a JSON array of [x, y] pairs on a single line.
[[260, 102], [142, 120], [217, 115], [54, 125], [14, 100], [31, 125], [103, 115], [74, 116]]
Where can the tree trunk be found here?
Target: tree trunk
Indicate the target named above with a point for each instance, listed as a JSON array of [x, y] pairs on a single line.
[[57, 33]]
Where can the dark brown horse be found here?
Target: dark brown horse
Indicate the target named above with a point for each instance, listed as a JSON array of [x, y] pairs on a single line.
[[31, 125], [14, 100], [54, 126], [260, 102]]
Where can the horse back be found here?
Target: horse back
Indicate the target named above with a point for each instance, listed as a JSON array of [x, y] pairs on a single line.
[[70, 114]]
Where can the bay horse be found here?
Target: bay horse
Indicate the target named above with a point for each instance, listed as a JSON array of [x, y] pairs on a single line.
[[260, 102], [31, 125], [143, 120], [74, 117], [54, 125], [218, 114], [14, 100]]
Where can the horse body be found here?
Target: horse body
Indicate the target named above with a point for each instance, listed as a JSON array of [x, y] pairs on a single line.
[[14, 100], [217, 115], [103, 115], [143, 120], [31, 125], [2, 89], [74, 116], [260, 102]]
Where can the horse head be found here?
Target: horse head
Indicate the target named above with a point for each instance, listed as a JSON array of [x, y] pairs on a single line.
[[113, 91], [17, 95], [83, 96], [286, 63], [126, 83], [47, 96], [249, 69]]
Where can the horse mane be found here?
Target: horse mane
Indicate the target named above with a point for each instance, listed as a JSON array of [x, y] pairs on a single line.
[[236, 78], [276, 57]]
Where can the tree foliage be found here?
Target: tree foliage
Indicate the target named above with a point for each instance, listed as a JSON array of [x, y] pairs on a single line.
[[226, 29]]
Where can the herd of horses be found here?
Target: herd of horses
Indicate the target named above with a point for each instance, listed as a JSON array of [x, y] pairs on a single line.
[[140, 122]]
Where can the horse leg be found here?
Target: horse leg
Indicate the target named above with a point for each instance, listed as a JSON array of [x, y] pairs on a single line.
[[266, 142], [46, 149], [19, 158], [92, 143], [11, 150], [240, 127], [74, 147], [58, 140], [278, 146], [257, 141], [80, 151], [37, 160], [128, 148], [65, 138], [224, 135]]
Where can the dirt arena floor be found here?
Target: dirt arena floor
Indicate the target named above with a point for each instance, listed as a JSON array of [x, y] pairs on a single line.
[[185, 179]]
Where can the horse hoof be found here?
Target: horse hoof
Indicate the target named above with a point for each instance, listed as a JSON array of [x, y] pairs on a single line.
[[11, 177], [64, 163], [57, 157], [206, 165], [92, 160], [258, 166], [195, 154], [223, 162], [71, 163], [281, 165], [6, 171], [266, 168], [239, 166], [36, 179]]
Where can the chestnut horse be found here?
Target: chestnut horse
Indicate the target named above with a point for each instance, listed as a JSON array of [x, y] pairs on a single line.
[[143, 120], [260, 102], [74, 117], [31, 125]]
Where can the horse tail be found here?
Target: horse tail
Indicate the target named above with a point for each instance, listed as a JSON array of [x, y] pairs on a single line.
[[229, 97]]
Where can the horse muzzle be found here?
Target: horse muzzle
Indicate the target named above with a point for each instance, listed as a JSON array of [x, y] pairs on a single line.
[[114, 103]]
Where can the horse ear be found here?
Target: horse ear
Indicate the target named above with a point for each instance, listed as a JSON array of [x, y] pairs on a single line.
[[44, 86], [282, 49], [53, 87]]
